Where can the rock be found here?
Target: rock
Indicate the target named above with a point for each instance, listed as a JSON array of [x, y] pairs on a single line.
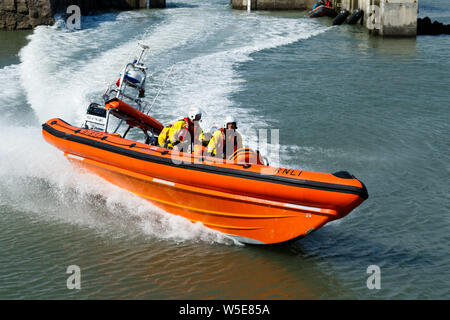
[[22, 7], [41, 13], [447, 29], [23, 22], [9, 21], [9, 5], [419, 26], [26, 14], [426, 21], [426, 27], [438, 28]]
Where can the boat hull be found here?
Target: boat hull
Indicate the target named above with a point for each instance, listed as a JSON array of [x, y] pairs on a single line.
[[237, 201], [322, 11]]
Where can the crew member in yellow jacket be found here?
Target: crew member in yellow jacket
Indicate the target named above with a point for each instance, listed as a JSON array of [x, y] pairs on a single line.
[[183, 133], [225, 141]]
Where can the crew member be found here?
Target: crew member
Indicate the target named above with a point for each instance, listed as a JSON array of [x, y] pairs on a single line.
[[225, 141], [319, 3], [182, 133]]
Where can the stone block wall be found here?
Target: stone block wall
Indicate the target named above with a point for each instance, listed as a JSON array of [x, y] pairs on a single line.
[[26, 14]]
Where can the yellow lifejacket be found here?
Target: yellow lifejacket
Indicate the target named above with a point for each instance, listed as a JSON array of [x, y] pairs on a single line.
[[162, 138], [178, 133], [218, 143]]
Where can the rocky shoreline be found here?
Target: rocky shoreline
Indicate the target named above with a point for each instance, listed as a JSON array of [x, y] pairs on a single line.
[[426, 27], [23, 14], [27, 14]]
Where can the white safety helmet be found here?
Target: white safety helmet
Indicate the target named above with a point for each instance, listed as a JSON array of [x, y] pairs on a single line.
[[134, 76], [213, 129], [195, 114], [229, 119]]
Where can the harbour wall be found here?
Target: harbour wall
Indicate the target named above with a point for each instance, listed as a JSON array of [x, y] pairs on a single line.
[[26, 14], [389, 18], [395, 18], [274, 4]]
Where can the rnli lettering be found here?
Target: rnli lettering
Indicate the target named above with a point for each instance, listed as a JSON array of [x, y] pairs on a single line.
[[288, 172]]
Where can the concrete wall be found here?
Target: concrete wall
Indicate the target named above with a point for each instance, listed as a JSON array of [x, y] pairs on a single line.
[[26, 14], [90, 5], [274, 4], [399, 18], [390, 18]]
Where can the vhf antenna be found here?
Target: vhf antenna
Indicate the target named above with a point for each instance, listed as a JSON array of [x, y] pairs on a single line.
[[138, 61]]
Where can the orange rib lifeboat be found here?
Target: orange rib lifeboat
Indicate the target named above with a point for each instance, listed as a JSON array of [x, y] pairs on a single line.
[[253, 203]]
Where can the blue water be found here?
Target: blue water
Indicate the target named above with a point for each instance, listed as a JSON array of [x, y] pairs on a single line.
[[341, 99]]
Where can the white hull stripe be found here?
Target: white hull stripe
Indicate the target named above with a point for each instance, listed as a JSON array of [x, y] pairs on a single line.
[[296, 206], [75, 157], [164, 182]]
